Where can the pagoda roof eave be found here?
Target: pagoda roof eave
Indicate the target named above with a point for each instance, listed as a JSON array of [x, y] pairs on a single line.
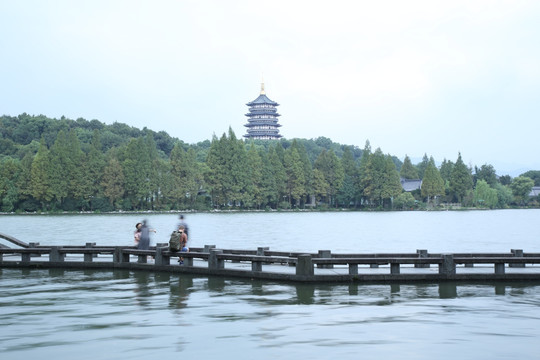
[[262, 99]]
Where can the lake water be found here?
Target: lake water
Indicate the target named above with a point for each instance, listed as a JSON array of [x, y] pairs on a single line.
[[136, 315]]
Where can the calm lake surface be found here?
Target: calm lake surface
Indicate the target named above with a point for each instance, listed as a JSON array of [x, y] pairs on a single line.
[[137, 315]]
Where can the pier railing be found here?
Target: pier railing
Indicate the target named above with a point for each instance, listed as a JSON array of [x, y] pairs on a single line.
[[278, 265]]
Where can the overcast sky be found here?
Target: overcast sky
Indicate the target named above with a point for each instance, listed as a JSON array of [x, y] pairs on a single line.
[[412, 77]]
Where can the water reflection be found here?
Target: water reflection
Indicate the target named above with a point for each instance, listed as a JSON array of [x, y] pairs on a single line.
[[142, 289], [180, 290]]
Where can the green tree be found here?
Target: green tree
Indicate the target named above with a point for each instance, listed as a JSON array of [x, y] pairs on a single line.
[[276, 166], [215, 175], [329, 164], [408, 171], [446, 170], [534, 175], [113, 181], [487, 173], [432, 183], [296, 181], [40, 177], [255, 172], [422, 166], [137, 169], [320, 185], [521, 188], [362, 172], [306, 167], [61, 167], [404, 201], [504, 195], [10, 170], [484, 195], [460, 180], [381, 179], [505, 180], [391, 184], [347, 193]]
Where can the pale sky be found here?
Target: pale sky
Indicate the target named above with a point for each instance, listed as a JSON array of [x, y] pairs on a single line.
[[413, 77]]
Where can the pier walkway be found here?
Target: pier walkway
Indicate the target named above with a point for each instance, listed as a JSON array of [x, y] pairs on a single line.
[[262, 263]]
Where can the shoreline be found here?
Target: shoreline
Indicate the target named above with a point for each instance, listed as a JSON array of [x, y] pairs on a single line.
[[121, 212]]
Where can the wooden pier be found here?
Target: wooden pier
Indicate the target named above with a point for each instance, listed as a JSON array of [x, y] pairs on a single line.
[[262, 263]]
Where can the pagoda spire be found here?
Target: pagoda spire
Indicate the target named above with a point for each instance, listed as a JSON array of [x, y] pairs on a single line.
[[262, 88]]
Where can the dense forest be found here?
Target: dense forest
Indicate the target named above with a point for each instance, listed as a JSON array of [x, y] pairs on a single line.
[[79, 165]]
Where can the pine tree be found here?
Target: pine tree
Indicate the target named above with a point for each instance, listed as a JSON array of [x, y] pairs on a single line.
[[295, 176], [408, 171], [113, 181], [347, 192], [40, 180], [432, 183], [255, 172], [460, 180], [392, 184], [422, 166]]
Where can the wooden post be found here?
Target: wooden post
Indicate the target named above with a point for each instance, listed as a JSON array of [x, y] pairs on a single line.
[[304, 265], [213, 262], [325, 254], [448, 266]]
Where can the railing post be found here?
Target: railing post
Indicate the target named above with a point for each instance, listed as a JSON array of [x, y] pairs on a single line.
[[422, 254], [207, 248], [55, 255], [33, 245], [304, 265], [447, 266], [213, 262], [142, 259], [261, 250], [499, 268], [353, 269], [89, 257], [119, 256], [517, 253], [325, 254], [188, 261], [161, 259], [25, 257], [256, 266], [394, 268]]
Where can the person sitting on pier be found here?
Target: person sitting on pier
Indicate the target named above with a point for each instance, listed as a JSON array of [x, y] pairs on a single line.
[[183, 242]]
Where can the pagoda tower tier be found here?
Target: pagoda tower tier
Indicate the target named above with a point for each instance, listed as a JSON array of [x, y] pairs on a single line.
[[262, 118]]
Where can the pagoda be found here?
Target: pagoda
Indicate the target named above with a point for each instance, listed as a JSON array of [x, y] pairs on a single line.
[[262, 118]]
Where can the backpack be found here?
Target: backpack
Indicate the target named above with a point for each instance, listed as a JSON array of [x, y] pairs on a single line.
[[174, 241]]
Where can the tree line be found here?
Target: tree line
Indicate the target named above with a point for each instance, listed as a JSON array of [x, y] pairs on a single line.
[[79, 165]]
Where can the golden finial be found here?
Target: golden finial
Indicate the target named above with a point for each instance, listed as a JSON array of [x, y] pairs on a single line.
[[262, 85]]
